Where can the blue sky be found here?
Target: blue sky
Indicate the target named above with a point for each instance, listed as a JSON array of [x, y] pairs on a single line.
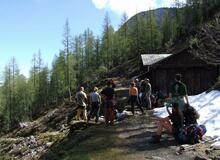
[[29, 25]]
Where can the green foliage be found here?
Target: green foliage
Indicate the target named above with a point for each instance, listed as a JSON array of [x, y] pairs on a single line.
[[15, 97], [85, 57], [107, 43], [194, 42], [102, 70]]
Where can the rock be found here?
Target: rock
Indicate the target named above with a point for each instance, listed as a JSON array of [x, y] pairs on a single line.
[[208, 151], [16, 150], [23, 125], [49, 144], [40, 142], [199, 157], [187, 147], [174, 148], [217, 157], [180, 150], [32, 137], [33, 153], [184, 148], [157, 158]]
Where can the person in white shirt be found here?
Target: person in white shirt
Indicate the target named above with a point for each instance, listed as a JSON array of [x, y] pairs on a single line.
[[95, 100]]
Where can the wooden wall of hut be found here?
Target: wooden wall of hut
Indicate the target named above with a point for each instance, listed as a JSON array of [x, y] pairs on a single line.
[[197, 74]]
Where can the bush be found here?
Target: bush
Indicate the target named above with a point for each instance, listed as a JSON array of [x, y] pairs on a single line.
[[102, 70]]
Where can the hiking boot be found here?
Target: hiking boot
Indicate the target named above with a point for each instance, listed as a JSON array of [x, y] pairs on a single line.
[[155, 139]]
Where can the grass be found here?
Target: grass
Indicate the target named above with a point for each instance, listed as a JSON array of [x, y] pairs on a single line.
[[5, 158]]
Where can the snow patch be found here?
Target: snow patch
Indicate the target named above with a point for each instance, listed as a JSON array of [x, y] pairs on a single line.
[[208, 106]]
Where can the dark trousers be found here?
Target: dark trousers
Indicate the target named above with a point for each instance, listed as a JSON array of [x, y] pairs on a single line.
[[94, 111], [134, 100]]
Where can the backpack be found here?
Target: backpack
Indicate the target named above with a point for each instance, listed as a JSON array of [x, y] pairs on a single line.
[[191, 134]]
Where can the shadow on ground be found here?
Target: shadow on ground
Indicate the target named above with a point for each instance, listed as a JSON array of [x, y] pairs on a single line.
[[82, 144], [127, 137]]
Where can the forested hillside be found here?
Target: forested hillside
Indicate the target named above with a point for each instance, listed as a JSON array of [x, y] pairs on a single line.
[[86, 58]]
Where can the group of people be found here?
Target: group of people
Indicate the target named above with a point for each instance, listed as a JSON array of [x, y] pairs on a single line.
[[181, 114], [140, 94], [181, 121], [107, 94]]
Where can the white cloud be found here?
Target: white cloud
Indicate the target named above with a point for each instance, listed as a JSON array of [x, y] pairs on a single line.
[[100, 4], [170, 3], [131, 7]]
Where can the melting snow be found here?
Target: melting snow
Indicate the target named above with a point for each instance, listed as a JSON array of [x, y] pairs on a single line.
[[208, 106]]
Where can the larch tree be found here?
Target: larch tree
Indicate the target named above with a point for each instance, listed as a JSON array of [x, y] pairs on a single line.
[[107, 41], [67, 42]]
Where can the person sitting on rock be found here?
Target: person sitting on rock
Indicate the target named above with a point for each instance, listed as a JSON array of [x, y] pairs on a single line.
[[173, 123], [159, 98], [190, 115]]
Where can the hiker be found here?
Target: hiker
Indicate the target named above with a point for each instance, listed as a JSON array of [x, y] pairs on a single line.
[[113, 85], [95, 100], [148, 94], [108, 95], [176, 117], [81, 99], [133, 94], [137, 84], [159, 98], [178, 92], [190, 115], [143, 93]]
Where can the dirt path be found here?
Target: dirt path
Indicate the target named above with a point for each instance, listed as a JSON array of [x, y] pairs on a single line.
[[128, 140]]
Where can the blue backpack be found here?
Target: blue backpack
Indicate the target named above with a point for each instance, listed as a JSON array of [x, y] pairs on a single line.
[[191, 134]]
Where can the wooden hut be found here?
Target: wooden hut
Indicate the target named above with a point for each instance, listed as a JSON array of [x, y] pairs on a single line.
[[199, 73]]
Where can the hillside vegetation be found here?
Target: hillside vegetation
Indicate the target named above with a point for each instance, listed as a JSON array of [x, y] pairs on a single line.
[[44, 101]]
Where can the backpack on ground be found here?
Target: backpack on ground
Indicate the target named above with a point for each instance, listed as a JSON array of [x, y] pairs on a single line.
[[191, 134]]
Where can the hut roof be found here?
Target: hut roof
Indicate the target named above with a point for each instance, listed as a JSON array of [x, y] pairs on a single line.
[[149, 59]]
